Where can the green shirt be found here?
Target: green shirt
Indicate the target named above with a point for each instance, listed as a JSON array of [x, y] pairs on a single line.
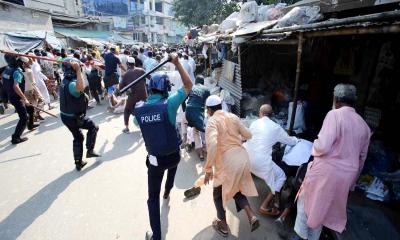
[[174, 101], [18, 76]]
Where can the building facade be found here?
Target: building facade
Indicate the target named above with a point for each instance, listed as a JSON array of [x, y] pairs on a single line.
[[15, 17], [68, 7], [154, 21], [141, 20]]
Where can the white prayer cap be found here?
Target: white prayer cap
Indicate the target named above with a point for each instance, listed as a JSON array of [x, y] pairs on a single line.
[[131, 60], [24, 59], [213, 100]]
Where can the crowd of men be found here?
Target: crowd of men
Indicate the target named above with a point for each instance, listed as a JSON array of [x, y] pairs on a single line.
[[174, 110]]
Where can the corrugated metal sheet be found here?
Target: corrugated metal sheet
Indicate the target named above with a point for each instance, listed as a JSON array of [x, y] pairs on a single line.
[[234, 87], [253, 28]]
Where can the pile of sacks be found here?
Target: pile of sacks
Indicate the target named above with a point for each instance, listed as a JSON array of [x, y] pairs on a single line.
[[251, 12]]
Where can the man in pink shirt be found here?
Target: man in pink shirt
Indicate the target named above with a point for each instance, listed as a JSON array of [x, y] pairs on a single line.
[[339, 155]]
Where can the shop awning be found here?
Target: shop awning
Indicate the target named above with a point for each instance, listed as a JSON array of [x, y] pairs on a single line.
[[81, 33], [117, 38]]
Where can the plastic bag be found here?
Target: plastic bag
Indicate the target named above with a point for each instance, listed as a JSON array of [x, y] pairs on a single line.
[[249, 120], [299, 16], [275, 12], [262, 12], [228, 24], [377, 191], [226, 97], [213, 28], [248, 12]]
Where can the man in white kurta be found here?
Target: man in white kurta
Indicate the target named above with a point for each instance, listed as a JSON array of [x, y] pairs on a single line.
[[40, 78], [266, 134]]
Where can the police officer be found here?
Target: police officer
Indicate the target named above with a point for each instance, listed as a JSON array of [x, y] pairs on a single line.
[[14, 86], [195, 113], [157, 120], [73, 105]]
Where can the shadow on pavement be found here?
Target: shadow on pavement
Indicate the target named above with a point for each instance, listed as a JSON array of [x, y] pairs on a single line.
[[8, 129], [20, 158], [209, 234], [124, 144], [26, 213], [268, 228], [187, 173], [164, 218], [7, 146]]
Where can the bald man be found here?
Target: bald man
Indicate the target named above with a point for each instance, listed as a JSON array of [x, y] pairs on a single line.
[[266, 134]]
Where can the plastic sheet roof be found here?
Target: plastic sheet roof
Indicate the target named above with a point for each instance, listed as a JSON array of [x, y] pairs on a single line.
[[82, 33]]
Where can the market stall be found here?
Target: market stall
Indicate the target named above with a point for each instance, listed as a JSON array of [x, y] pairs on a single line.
[[301, 63]]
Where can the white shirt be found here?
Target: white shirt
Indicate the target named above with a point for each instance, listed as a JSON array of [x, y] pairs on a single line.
[[265, 134], [29, 79], [40, 78], [188, 68], [192, 64], [299, 122], [124, 59]]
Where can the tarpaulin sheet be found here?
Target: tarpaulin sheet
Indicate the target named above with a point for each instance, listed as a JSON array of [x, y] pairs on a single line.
[[47, 35], [19, 44]]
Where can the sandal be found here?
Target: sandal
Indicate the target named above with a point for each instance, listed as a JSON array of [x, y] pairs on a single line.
[[254, 223], [269, 212], [217, 227], [194, 191]]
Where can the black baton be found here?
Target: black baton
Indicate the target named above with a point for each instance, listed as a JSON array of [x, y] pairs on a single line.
[[121, 91]]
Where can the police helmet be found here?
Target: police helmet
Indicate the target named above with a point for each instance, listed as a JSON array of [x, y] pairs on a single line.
[[69, 72], [11, 60], [160, 82]]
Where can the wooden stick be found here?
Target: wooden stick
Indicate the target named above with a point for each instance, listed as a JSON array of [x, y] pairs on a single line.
[[42, 110], [40, 58]]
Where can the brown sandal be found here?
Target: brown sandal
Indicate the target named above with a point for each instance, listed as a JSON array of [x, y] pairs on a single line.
[[218, 228], [269, 212], [254, 223]]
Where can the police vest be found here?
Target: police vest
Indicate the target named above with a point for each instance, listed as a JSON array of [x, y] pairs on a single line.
[[198, 96], [68, 103], [8, 82], [160, 136]]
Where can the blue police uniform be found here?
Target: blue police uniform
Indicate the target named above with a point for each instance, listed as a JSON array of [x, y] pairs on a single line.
[[194, 111], [13, 75], [73, 105], [157, 120]]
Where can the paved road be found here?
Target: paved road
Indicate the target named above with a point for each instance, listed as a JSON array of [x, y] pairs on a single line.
[[43, 197]]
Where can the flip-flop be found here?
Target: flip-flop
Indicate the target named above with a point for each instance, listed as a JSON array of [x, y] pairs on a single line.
[[254, 223], [194, 191], [269, 212], [219, 229]]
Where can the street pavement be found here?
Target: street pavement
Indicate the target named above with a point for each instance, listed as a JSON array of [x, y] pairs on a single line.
[[43, 197]]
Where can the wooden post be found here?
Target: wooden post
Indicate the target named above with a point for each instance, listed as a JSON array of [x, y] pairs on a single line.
[[296, 85], [209, 57], [239, 56]]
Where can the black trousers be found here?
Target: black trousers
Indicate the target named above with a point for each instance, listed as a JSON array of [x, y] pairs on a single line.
[[155, 176], [3, 94], [75, 128], [95, 88], [23, 112], [240, 201]]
